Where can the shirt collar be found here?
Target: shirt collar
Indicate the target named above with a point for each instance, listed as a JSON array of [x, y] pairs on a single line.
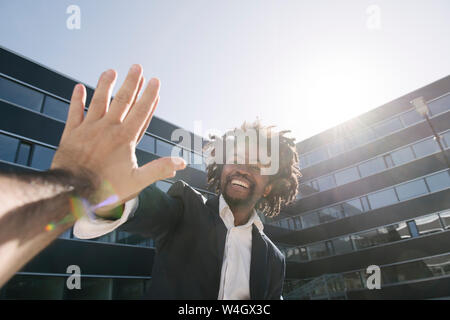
[[228, 217]]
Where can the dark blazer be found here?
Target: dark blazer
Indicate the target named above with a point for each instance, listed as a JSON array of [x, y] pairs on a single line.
[[190, 239]]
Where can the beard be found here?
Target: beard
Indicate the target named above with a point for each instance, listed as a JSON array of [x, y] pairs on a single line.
[[237, 201]]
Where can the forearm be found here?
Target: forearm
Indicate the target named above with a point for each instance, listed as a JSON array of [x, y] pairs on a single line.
[[36, 209]]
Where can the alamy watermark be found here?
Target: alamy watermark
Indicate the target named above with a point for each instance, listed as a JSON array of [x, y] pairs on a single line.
[[374, 17], [73, 22], [74, 280], [374, 280]]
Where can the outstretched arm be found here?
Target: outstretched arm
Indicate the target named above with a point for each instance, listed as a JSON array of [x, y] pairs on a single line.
[[94, 164]]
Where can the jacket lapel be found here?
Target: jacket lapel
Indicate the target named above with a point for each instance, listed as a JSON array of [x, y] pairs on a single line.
[[221, 230], [258, 266]]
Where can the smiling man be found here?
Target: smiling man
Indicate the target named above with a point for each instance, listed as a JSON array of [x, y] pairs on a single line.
[[214, 249]]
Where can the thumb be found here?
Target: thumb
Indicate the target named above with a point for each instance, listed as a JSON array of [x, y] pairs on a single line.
[[159, 169]]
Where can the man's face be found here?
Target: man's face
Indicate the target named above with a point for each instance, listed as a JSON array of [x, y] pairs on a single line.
[[242, 184]]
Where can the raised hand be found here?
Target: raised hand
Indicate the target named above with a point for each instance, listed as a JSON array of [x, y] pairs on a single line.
[[104, 141]]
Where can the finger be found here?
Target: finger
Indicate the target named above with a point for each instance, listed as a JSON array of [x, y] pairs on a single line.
[[141, 83], [147, 122], [162, 168], [141, 111], [76, 108], [100, 100], [126, 94]]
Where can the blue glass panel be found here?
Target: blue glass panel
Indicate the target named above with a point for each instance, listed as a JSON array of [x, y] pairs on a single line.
[[24, 154], [411, 189], [411, 117], [18, 94], [371, 167], [42, 157], [56, 108], [425, 147], [326, 183], [147, 143], [440, 105], [8, 148], [310, 220], [402, 156], [346, 176], [439, 181], [387, 127], [382, 198], [163, 148], [352, 207]]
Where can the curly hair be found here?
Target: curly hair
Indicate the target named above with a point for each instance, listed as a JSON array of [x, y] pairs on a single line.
[[284, 182]]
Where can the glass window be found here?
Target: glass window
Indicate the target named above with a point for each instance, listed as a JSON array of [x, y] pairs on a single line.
[[335, 284], [382, 198], [425, 148], [346, 176], [392, 233], [445, 218], [352, 280], [318, 250], [18, 94], [23, 155], [438, 266], [365, 203], [128, 289], [56, 108], [310, 220], [401, 156], [440, 105], [330, 214], [42, 157], [147, 143], [387, 127], [295, 222], [310, 188], [388, 160], [8, 148], [163, 148], [91, 289], [352, 207], [372, 166], [35, 288], [428, 224], [366, 239], [411, 189], [413, 229], [446, 137], [299, 254], [132, 239], [405, 271], [439, 181], [326, 183], [411, 117], [342, 245], [317, 155], [364, 137], [303, 162], [340, 146]]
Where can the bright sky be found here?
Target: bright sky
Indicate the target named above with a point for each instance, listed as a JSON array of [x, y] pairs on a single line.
[[301, 65]]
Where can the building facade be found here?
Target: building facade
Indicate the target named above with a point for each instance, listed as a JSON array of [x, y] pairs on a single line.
[[375, 191]]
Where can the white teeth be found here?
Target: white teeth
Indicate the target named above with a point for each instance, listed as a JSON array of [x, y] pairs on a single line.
[[240, 183]]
